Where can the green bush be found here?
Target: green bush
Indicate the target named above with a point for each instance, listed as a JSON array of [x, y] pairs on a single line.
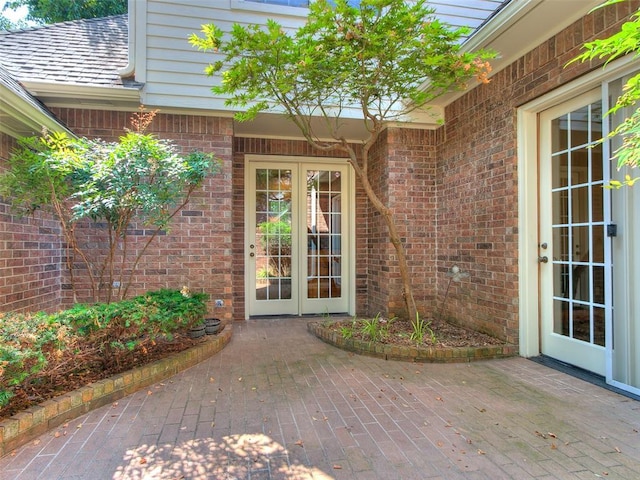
[[40, 345], [27, 343]]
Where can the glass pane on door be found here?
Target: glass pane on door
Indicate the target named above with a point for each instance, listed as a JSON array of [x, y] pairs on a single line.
[[324, 234], [273, 239], [578, 225]]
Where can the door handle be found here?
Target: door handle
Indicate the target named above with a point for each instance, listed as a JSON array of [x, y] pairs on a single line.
[[543, 259]]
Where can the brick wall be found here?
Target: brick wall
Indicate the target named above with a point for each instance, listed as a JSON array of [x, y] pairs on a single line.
[[477, 177], [403, 163], [29, 255], [196, 251]]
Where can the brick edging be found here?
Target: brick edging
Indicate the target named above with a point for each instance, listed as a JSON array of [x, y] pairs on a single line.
[[411, 353], [38, 419]]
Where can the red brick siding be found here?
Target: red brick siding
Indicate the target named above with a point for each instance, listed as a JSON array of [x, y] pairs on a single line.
[[403, 163], [29, 255], [197, 250], [477, 173], [380, 251]]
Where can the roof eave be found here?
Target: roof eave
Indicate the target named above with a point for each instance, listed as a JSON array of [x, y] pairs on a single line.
[[518, 28], [24, 118], [67, 95]]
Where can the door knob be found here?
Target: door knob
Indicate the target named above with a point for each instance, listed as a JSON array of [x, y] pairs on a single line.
[[543, 259]]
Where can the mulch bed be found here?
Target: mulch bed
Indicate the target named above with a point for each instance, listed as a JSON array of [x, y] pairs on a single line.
[[58, 382], [446, 334]]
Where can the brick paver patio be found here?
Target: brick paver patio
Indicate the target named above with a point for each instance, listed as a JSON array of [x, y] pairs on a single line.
[[277, 403]]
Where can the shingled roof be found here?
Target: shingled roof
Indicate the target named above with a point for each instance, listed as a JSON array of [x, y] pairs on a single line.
[[83, 52]]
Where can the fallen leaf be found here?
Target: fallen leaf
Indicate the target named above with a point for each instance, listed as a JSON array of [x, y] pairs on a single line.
[[553, 446], [300, 443], [552, 435], [57, 435], [79, 426], [211, 379], [143, 461], [440, 444], [66, 425], [240, 379], [439, 399], [618, 450], [540, 434], [36, 441], [481, 452], [149, 392], [337, 467], [114, 404]]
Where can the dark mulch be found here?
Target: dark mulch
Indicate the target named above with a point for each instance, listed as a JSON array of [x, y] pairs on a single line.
[[57, 383], [398, 332]]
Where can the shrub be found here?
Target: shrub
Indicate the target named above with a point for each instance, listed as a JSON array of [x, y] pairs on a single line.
[[40, 346]]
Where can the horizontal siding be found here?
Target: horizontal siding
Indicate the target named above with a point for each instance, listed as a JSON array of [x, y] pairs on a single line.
[[174, 70]]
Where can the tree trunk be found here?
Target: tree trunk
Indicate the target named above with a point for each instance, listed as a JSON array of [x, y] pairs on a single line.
[[394, 236]]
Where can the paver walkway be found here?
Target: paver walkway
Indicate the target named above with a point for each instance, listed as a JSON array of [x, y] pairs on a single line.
[[277, 403]]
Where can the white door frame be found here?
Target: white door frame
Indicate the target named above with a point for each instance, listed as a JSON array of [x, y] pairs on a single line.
[[348, 238], [528, 185]]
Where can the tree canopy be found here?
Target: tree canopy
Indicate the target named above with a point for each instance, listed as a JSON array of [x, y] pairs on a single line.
[[54, 11], [622, 43], [383, 59]]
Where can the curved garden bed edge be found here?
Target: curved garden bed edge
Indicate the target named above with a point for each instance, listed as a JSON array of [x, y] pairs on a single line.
[[34, 421], [411, 353]]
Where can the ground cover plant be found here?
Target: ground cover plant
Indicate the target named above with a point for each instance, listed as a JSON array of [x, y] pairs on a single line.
[[422, 332], [43, 355]]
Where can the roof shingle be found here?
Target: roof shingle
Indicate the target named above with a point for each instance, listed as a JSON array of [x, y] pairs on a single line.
[[84, 52]]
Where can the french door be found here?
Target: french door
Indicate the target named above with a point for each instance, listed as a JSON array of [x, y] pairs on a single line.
[[298, 237], [574, 250]]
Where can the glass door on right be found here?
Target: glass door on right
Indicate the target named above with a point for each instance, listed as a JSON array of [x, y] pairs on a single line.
[[573, 246]]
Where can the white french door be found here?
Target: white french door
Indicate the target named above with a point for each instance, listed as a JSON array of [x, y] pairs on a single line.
[[574, 250], [298, 237]]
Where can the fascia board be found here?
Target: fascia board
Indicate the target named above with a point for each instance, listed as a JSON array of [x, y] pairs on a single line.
[[66, 94], [25, 113]]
